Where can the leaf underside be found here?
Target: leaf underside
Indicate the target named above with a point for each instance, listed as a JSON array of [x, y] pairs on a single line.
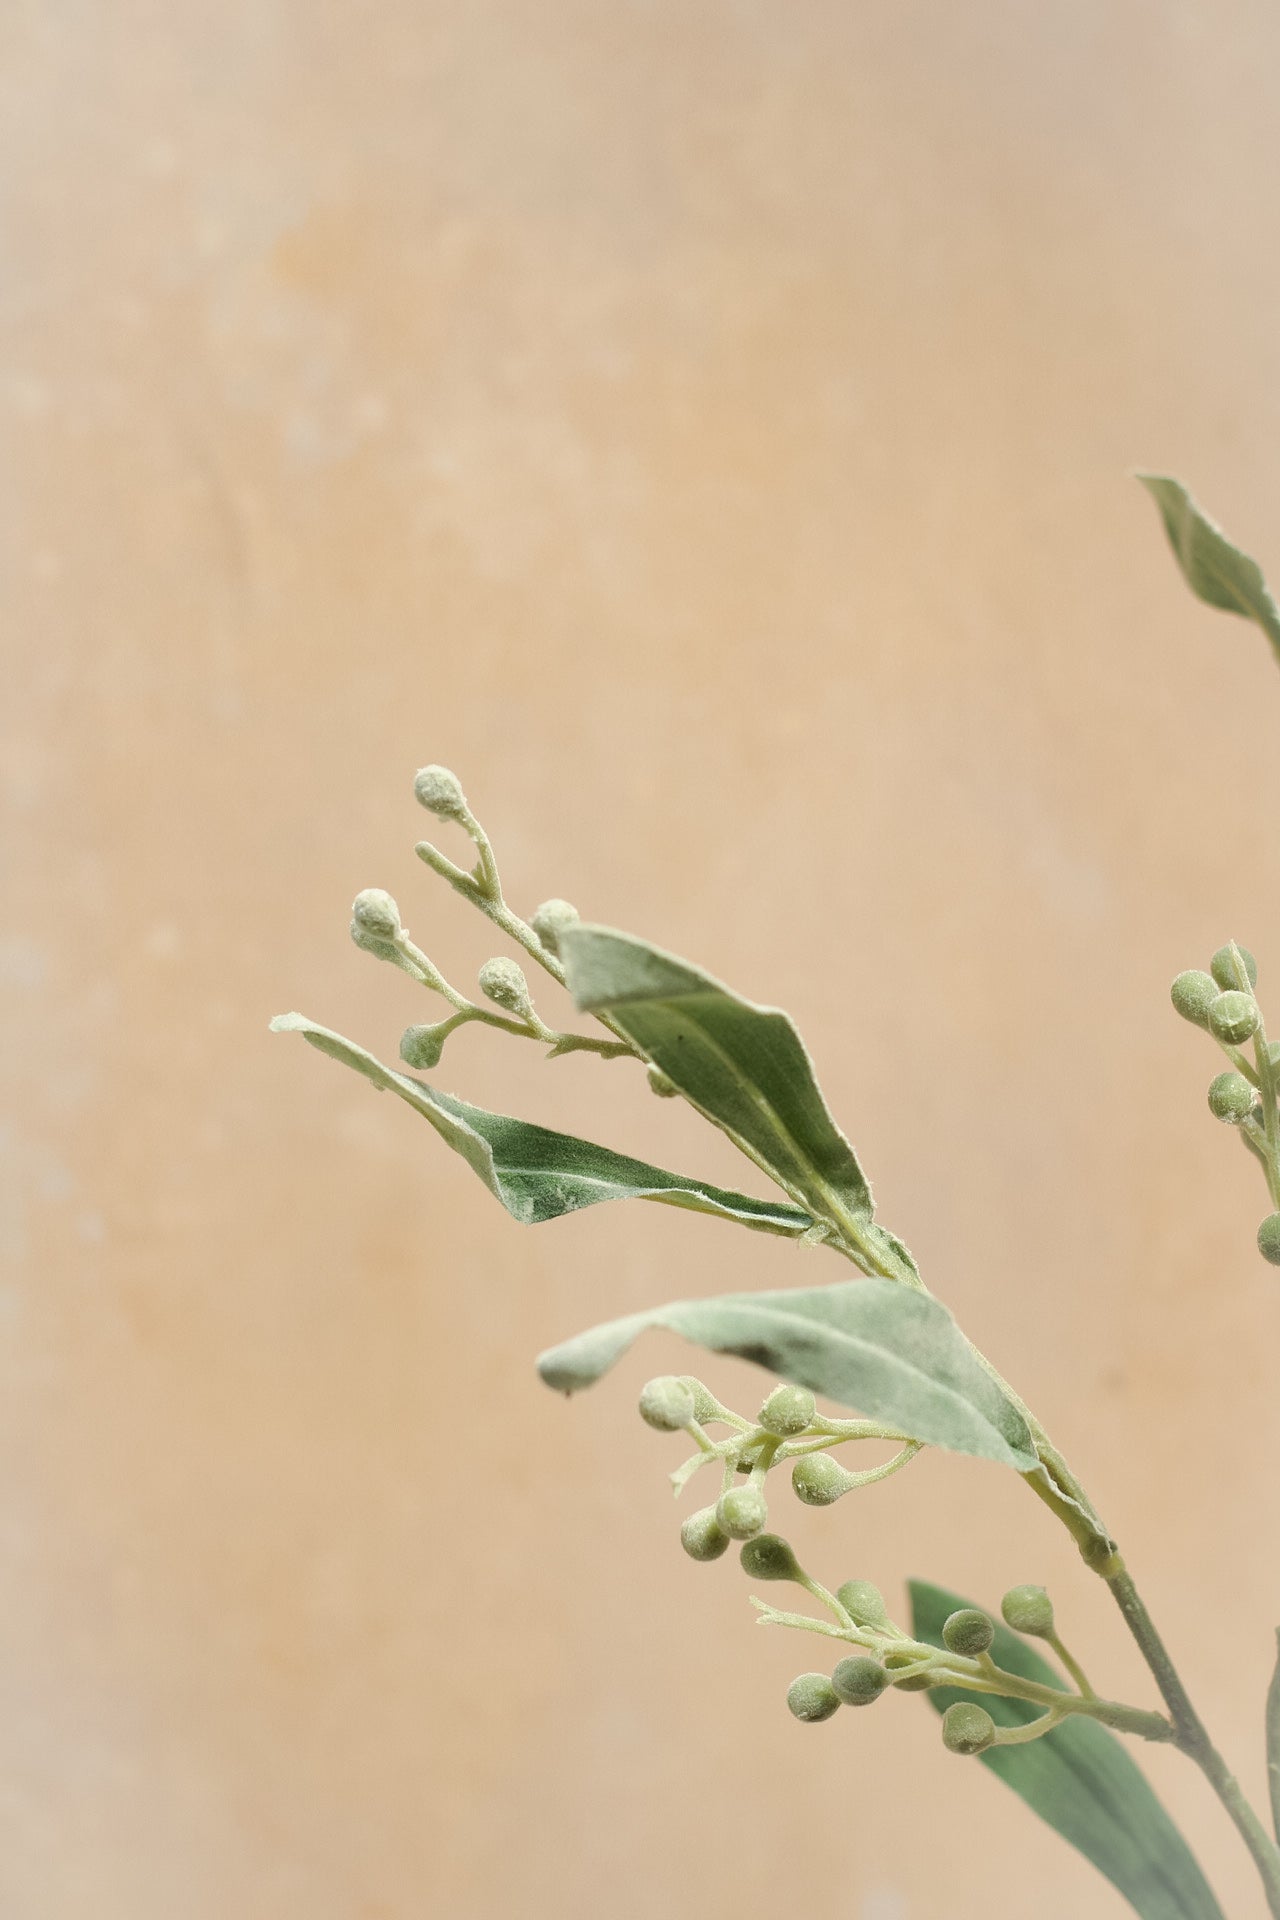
[[880, 1348], [1215, 570], [1079, 1778], [744, 1067], [539, 1174]]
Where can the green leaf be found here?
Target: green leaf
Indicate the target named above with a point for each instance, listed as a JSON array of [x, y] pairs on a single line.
[[536, 1173], [876, 1346], [1215, 570], [1080, 1779], [744, 1068], [1273, 1740]]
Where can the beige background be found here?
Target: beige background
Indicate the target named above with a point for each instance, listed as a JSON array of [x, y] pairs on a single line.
[[707, 427]]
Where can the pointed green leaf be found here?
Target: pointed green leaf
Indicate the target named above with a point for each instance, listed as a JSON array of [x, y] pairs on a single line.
[[1080, 1779], [883, 1349], [536, 1173], [744, 1067], [1215, 570]]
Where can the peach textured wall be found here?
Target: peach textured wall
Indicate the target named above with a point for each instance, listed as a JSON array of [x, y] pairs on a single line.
[[706, 426]]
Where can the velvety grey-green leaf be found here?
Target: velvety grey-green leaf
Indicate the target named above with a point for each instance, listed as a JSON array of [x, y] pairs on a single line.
[[1079, 1778], [880, 1348], [744, 1067], [1214, 569], [539, 1174]]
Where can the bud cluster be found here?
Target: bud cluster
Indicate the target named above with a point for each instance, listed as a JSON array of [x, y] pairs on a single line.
[[788, 1426], [1222, 1001]]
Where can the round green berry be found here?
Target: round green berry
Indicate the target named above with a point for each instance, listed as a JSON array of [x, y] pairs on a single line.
[[503, 982], [812, 1697], [1230, 1098], [1269, 1239], [550, 921], [787, 1411], [440, 792], [918, 1683], [859, 1680], [742, 1512], [667, 1403], [769, 1558], [376, 913], [1192, 994], [1028, 1610], [967, 1728], [702, 1536], [863, 1603], [1233, 1017], [818, 1479], [969, 1632], [1223, 967], [421, 1047]]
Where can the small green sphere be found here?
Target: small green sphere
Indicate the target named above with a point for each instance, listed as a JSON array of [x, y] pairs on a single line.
[[819, 1480], [666, 1403], [503, 982], [1192, 994], [969, 1632], [967, 1728], [550, 921], [1233, 1017], [863, 1603], [421, 1047], [376, 913], [440, 792], [1028, 1610], [1230, 1098], [1223, 967], [859, 1680], [918, 1683], [1269, 1239], [812, 1697], [702, 1536], [787, 1411], [768, 1557], [742, 1512]]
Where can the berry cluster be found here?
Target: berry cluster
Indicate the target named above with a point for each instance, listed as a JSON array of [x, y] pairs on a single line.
[[789, 1428], [1222, 1001]]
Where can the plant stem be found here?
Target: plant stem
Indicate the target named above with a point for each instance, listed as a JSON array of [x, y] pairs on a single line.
[[1192, 1736]]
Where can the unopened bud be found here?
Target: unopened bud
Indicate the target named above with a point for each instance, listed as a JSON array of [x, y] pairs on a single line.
[[1192, 994], [370, 943], [503, 982], [819, 1480], [1223, 967], [376, 913], [1269, 1239], [550, 921], [667, 1403], [421, 1047], [788, 1410], [859, 1680], [1230, 1098], [702, 1536], [1233, 1017], [768, 1557], [440, 792], [742, 1512], [918, 1683], [967, 1728], [812, 1697], [863, 1603], [705, 1405], [1028, 1610], [969, 1632], [659, 1083]]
